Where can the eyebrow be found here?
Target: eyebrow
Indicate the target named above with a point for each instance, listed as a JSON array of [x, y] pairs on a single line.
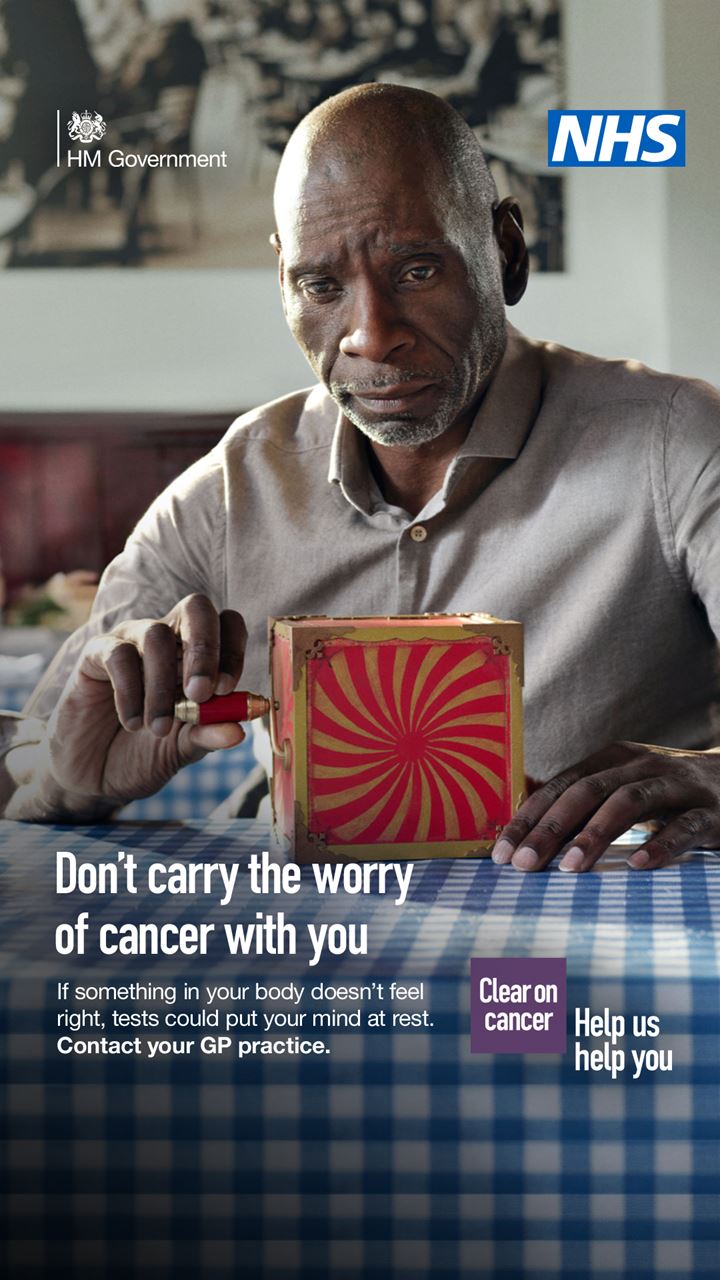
[[398, 249], [418, 246], [310, 269]]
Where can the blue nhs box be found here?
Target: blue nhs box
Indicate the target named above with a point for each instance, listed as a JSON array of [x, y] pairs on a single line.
[[616, 139]]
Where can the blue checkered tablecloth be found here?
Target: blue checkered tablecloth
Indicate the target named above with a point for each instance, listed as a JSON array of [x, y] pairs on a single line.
[[398, 1154], [197, 789]]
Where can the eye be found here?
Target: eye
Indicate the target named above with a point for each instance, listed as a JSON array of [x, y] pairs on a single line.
[[320, 289], [417, 273]]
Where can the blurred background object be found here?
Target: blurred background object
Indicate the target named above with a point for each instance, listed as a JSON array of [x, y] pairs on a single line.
[[63, 603]]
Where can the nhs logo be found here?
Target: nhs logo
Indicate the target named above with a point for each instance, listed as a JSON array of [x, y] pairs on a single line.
[[615, 139]]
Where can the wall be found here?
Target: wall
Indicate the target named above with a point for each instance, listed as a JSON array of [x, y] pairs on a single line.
[[133, 339], [693, 262], [216, 340], [612, 298]]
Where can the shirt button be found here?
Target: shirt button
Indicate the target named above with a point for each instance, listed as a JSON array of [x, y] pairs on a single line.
[[418, 533]]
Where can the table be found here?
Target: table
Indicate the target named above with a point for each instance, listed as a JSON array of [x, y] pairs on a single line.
[[398, 1154]]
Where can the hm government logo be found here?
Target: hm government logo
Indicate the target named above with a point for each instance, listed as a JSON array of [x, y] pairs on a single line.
[[86, 128], [89, 127]]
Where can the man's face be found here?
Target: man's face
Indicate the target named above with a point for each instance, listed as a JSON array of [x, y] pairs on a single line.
[[393, 295]]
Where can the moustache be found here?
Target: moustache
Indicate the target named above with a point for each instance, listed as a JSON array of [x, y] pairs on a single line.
[[399, 377]]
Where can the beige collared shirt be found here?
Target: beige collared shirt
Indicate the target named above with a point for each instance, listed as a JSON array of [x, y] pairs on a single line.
[[599, 530]]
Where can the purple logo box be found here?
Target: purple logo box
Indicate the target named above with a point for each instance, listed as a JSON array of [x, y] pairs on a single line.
[[518, 1005]]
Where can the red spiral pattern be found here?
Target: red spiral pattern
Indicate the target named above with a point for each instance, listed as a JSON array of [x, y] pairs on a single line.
[[408, 741]]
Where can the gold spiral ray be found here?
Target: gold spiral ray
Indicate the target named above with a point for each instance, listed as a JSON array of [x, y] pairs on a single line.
[[340, 771], [335, 799], [401, 659], [483, 717], [322, 739], [431, 659], [424, 816], [450, 818], [473, 662], [328, 708], [483, 744], [475, 694], [351, 831], [477, 808], [341, 671], [400, 814], [373, 671], [496, 783]]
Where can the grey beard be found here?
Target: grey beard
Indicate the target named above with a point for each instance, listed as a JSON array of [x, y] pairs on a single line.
[[397, 431], [406, 430]]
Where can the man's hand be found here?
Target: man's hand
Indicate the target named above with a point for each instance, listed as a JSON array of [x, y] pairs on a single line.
[[594, 802], [113, 735]]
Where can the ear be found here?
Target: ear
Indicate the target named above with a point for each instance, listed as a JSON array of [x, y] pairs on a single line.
[[274, 239], [508, 227]]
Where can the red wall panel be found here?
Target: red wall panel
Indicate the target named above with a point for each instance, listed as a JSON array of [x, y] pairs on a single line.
[[71, 490]]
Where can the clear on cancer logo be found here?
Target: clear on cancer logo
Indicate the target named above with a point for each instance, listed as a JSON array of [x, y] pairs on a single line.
[[86, 127]]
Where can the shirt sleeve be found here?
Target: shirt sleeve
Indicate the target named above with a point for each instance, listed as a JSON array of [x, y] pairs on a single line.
[[692, 486]]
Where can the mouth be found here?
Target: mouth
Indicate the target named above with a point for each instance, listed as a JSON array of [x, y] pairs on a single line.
[[399, 398]]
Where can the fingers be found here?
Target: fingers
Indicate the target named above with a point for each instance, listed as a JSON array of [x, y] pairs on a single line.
[[159, 662], [125, 670], [233, 639], [530, 814], [198, 628], [595, 810], [195, 741], [628, 803], [213, 647], [149, 663], [143, 675], [110, 659], [688, 831]]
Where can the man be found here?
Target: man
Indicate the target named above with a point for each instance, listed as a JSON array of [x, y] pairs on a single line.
[[440, 465]]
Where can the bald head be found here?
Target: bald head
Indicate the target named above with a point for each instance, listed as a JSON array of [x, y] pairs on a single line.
[[393, 128], [395, 262]]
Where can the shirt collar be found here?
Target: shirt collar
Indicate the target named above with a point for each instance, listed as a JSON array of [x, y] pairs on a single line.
[[510, 405], [346, 452], [499, 429]]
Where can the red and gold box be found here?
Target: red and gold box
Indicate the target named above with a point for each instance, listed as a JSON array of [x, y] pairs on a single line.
[[395, 737]]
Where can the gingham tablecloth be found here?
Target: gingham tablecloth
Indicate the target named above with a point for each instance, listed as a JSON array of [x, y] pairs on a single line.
[[398, 1154]]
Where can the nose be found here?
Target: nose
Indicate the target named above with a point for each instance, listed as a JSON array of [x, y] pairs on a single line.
[[376, 329]]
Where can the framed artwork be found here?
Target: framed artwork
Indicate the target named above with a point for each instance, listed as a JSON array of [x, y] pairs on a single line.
[[147, 133]]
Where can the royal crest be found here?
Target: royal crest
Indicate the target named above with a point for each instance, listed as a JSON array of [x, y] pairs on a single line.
[[86, 127]]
